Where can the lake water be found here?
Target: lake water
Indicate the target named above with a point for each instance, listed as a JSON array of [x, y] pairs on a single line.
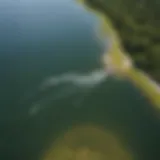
[[52, 78]]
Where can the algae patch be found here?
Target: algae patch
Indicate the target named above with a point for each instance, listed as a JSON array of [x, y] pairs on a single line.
[[87, 142]]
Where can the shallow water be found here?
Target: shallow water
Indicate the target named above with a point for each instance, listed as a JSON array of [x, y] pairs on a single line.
[[40, 44]]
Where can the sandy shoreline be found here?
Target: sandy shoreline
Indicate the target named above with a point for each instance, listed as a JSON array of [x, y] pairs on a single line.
[[117, 62]]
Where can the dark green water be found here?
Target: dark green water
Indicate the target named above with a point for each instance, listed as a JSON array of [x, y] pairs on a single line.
[[41, 39]]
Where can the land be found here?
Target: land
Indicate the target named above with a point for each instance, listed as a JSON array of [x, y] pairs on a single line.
[[138, 26], [123, 57], [119, 61]]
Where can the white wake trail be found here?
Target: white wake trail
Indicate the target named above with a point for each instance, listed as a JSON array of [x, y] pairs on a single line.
[[68, 84], [79, 80]]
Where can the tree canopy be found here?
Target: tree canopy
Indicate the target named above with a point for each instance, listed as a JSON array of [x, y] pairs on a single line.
[[138, 25]]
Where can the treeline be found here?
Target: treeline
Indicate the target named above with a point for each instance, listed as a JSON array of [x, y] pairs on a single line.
[[138, 24]]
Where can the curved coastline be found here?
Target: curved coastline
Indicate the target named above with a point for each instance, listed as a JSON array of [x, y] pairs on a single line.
[[116, 57]]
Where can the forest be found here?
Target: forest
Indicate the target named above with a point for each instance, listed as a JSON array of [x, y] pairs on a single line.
[[138, 25]]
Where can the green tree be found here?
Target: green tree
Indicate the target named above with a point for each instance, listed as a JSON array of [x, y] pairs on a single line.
[[138, 24]]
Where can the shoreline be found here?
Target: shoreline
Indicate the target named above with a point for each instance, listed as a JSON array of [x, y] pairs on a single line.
[[116, 65]]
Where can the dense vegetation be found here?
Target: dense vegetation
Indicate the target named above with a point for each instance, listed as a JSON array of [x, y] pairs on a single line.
[[138, 24]]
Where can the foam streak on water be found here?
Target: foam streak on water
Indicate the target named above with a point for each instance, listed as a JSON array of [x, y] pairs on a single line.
[[66, 85], [79, 80]]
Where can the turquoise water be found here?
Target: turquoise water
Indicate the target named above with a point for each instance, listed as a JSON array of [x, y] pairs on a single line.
[[52, 78]]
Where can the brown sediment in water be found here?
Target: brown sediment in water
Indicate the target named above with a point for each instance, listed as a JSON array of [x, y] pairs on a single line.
[[87, 142]]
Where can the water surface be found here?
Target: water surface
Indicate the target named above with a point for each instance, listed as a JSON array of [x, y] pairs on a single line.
[[41, 40]]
